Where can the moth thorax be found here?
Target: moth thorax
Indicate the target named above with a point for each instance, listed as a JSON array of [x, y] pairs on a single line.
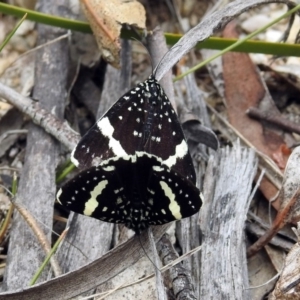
[[137, 199]]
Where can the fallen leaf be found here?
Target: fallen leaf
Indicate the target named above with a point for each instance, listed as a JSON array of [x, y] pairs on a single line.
[[106, 19], [244, 88]]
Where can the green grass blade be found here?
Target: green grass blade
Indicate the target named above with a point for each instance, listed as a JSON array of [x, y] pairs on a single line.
[[238, 42], [47, 259], [66, 170], [211, 43], [216, 43], [12, 33], [45, 18]]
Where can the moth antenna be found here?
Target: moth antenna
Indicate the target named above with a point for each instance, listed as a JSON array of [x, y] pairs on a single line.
[[140, 240], [137, 40]]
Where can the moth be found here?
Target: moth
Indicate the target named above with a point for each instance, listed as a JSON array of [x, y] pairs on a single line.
[[137, 169]]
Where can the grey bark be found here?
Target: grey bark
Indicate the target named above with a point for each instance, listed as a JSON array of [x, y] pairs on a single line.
[[37, 185], [188, 231], [227, 188]]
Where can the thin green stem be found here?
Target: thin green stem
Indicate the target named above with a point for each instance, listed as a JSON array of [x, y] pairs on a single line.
[[47, 259], [237, 43], [217, 43], [211, 43], [45, 18], [12, 33], [66, 170], [14, 185]]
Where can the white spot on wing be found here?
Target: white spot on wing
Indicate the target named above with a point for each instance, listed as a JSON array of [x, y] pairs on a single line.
[[157, 168], [108, 168], [133, 158], [150, 191], [180, 151], [58, 195], [173, 206], [92, 203], [107, 130]]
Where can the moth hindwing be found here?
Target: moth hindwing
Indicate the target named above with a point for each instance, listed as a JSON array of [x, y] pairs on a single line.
[[141, 120], [137, 190]]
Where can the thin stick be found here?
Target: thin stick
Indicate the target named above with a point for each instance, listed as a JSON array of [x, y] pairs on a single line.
[[60, 130], [279, 222], [37, 48], [49, 257], [160, 288], [40, 236], [277, 120], [239, 42], [12, 33]]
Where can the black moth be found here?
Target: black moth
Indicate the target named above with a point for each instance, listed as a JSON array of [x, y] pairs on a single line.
[[138, 170], [137, 190]]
